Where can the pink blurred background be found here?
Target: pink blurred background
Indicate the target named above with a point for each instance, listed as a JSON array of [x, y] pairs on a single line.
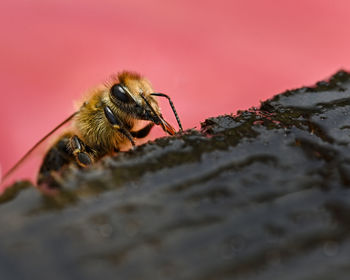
[[211, 57]]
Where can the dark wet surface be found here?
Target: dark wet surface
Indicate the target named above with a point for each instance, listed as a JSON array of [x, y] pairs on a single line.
[[262, 195]]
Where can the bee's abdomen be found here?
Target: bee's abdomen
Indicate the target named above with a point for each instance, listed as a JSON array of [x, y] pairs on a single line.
[[58, 156]]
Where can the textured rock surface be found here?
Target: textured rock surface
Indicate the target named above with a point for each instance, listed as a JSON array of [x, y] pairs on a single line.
[[261, 195]]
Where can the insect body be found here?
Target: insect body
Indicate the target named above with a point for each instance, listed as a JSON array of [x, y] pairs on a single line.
[[105, 123]]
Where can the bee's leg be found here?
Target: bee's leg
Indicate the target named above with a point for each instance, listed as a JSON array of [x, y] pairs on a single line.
[[54, 161], [82, 156], [143, 132], [117, 124]]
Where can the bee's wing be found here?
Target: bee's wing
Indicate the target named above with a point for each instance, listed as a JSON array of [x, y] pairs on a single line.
[[9, 172]]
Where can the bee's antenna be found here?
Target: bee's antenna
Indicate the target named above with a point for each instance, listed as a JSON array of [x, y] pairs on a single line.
[[172, 107], [13, 168]]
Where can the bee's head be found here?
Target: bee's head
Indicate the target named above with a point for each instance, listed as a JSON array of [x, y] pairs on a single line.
[[134, 95]]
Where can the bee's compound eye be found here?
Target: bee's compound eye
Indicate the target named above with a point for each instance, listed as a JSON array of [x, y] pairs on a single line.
[[119, 93]]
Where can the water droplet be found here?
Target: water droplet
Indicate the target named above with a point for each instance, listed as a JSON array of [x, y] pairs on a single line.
[[330, 248]]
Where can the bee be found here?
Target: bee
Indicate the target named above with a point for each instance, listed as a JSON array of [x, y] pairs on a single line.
[[103, 124]]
